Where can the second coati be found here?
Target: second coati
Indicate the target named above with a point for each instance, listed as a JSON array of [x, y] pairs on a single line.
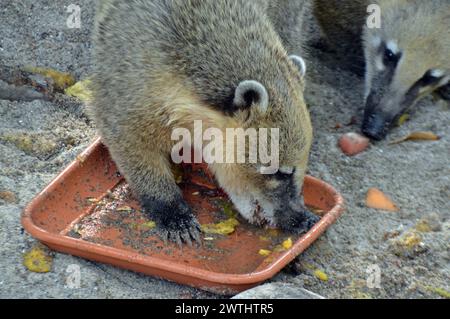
[[290, 19], [163, 64], [406, 58]]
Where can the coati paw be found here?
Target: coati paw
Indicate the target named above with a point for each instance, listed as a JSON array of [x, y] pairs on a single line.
[[174, 220], [300, 222]]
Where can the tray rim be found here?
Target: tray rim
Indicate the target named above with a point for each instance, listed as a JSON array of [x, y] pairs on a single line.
[[150, 262]]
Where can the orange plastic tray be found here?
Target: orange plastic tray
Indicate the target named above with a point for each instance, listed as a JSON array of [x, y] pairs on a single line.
[[224, 264]]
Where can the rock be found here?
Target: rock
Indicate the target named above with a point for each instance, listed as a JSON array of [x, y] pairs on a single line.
[[278, 290]]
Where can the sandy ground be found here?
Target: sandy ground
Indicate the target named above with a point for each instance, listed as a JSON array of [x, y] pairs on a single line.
[[362, 244]]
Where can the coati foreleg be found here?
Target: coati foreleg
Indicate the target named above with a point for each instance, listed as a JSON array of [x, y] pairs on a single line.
[[150, 177]]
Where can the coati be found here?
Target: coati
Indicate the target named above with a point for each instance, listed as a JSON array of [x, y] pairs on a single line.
[[290, 21], [406, 58], [162, 64], [341, 23]]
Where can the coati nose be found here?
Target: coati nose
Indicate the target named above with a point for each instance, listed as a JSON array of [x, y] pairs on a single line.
[[375, 127]]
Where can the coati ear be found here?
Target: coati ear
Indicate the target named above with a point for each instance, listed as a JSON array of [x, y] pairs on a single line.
[[443, 91], [251, 92], [435, 79], [300, 63]]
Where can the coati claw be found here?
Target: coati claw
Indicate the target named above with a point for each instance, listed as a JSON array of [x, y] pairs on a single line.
[[187, 236], [187, 239], [196, 235], [164, 236], [177, 239]]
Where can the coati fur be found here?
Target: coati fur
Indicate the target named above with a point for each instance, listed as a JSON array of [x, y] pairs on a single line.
[[162, 64], [290, 21], [341, 23], [405, 60]]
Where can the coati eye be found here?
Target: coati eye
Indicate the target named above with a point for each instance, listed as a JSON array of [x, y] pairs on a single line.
[[390, 57]]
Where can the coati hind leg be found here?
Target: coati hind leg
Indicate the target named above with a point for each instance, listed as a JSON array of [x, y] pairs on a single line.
[[152, 181]]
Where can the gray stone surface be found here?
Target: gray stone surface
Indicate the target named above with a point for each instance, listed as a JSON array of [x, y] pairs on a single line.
[[278, 290]]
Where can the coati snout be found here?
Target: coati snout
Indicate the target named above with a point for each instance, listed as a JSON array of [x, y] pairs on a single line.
[[164, 64], [406, 59], [268, 199]]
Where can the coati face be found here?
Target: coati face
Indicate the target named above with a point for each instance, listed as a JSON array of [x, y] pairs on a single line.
[[406, 60], [272, 198]]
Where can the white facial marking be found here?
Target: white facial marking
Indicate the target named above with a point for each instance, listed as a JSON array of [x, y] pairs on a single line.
[[392, 45], [379, 63], [286, 169], [376, 41], [437, 73]]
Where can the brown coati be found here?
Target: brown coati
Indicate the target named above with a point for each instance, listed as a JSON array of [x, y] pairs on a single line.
[[406, 58], [163, 64]]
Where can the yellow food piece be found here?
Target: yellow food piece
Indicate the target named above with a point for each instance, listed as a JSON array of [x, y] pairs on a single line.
[[264, 252], [279, 248], [149, 225], [228, 209], [223, 228], [124, 209], [440, 291], [80, 90], [360, 295], [287, 243], [410, 240], [60, 79], [319, 274], [93, 200], [402, 119], [423, 226], [37, 260], [273, 232]]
